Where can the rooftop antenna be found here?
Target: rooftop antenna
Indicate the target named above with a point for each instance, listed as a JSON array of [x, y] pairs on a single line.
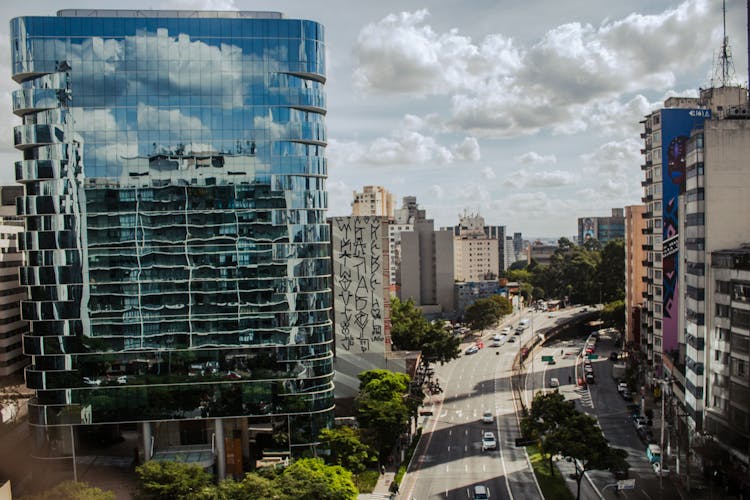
[[724, 70]]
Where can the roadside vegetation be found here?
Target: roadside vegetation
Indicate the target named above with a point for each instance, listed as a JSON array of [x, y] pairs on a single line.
[[562, 432]]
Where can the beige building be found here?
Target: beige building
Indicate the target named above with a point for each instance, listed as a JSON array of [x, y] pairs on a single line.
[[476, 256], [373, 200], [635, 225], [12, 328]]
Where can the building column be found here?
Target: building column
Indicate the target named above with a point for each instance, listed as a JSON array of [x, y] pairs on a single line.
[[221, 465], [147, 436], [245, 439]]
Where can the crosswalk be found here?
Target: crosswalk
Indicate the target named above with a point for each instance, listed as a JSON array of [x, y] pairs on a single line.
[[584, 397]]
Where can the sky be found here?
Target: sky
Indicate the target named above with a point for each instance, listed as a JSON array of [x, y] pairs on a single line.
[[526, 113]]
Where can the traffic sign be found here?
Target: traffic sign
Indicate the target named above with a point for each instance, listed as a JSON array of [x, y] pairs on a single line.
[[626, 484], [547, 358], [592, 356]]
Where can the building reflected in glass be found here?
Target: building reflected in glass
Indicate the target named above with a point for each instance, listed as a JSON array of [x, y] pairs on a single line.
[[176, 240]]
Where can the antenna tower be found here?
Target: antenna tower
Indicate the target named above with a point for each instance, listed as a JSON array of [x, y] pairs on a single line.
[[724, 69]]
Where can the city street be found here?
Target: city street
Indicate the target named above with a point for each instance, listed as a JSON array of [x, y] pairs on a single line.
[[449, 460]]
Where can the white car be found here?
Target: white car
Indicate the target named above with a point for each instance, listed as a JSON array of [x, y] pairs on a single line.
[[554, 382], [89, 381], [506, 330], [488, 418], [496, 337], [659, 470], [488, 441]]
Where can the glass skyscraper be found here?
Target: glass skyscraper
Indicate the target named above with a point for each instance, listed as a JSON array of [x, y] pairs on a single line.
[[176, 240]]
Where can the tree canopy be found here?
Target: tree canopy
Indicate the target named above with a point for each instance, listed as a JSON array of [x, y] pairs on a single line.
[[411, 331], [347, 449], [382, 408], [305, 478], [585, 274], [71, 490], [172, 480], [482, 314], [562, 430]]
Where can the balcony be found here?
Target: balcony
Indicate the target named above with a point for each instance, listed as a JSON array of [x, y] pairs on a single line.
[[647, 247]]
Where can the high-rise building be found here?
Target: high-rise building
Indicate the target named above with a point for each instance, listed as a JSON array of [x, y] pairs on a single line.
[[425, 267], [635, 238], [373, 200], [12, 327], [176, 243], [602, 229], [477, 249], [716, 311], [665, 135]]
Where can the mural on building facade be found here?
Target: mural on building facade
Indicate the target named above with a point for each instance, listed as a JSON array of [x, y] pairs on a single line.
[[359, 268], [676, 127]]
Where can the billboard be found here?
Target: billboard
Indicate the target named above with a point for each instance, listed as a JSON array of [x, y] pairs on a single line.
[[676, 126]]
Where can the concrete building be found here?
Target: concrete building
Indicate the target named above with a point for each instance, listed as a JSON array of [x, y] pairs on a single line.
[[177, 249], [477, 249], [469, 292], [726, 363], [361, 299], [373, 200], [12, 327], [403, 221], [603, 229], [426, 269], [635, 226], [665, 135], [540, 253]]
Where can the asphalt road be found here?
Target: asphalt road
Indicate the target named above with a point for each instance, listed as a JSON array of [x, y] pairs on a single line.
[[602, 401], [449, 460]]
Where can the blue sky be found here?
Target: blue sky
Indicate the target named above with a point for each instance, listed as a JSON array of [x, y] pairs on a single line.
[[526, 112]]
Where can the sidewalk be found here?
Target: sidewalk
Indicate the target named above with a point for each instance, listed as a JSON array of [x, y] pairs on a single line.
[[382, 488]]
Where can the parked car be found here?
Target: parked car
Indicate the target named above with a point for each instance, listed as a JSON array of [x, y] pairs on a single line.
[[613, 356], [495, 343], [626, 395], [488, 441], [639, 421], [554, 382], [659, 470], [590, 378], [91, 381], [488, 418], [122, 379], [511, 339], [496, 337]]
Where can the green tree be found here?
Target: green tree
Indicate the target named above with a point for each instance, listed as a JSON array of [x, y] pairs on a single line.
[[347, 450], [312, 478], [71, 490], [581, 440], [611, 271], [438, 345], [382, 408], [411, 331], [482, 314], [408, 324], [505, 306], [613, 314], [548, 412], [172, 480]]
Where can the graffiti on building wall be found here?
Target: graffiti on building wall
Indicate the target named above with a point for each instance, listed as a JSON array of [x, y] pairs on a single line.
[[677, 125], [358, 283]]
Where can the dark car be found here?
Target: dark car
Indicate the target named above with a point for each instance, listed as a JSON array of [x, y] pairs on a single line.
[[590, 378], [613, 356]]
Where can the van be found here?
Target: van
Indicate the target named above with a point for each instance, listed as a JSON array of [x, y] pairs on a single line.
[[653, 453]]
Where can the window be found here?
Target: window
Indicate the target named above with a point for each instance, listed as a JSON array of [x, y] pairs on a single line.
[[723, 287], [722, 310]]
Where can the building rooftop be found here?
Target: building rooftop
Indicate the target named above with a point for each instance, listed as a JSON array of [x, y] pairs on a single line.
[[187, 14]]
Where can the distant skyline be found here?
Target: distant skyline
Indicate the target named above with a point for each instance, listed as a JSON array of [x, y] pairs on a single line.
[[527, 113]]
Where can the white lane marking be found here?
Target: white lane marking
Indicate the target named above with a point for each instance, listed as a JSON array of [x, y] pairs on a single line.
[[466, 467], [449, 448], [484, 468], [447, 468], [466, 448], [466, 432], [450, 432]]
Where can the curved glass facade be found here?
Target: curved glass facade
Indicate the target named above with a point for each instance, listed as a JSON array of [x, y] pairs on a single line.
[[176, 238]]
